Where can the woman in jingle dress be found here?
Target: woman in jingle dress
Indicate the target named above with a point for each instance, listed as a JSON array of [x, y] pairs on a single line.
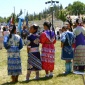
[[47, 39], [67, 39], [79, 59], [13, 44], [34, 60]]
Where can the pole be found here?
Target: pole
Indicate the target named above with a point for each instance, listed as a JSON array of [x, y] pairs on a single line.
[[52, 7], [52, 17], [24, 12], [83, 79], [52, 11], [14, 9], [14, 15], [24, 17]]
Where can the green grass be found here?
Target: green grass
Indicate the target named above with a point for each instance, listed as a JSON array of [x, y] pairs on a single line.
[[58, 79]]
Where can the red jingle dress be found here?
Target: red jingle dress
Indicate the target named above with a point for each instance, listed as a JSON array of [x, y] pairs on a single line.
[[48, 40]]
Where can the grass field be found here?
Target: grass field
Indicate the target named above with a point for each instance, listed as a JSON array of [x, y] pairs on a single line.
[[58, 79]]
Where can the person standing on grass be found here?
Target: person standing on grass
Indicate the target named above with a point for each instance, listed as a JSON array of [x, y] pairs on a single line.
[[1, 39], [13, 44], [79, 59], [48, 39], [67, 39], [34, 60], [5, 31], [24, 33]]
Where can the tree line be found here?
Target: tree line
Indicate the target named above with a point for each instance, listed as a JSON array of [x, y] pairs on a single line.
[[76, 8]]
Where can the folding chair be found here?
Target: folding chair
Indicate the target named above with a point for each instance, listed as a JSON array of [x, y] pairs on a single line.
[[82, 74]]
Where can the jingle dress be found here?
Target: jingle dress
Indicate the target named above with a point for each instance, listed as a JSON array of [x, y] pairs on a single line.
[[34, 60], [67, 39], [79, 59], [13, 46], [48, 50]]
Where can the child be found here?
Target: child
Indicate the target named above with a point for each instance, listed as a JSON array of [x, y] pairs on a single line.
[[67, 39], [34, 60], [13, 44]]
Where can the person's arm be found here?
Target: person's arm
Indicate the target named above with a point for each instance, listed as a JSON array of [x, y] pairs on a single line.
[[28, 49], [3, 33], [5, 42], [28, 44], [43, 38], [62, 44], [63, 38], [20, 44]]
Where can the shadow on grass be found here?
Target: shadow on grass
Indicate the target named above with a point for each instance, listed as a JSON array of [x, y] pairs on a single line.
[[41, 79], [63, 75], [9, 83]]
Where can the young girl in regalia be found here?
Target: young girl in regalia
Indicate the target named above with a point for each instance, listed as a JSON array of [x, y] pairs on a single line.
[[67, 39], [47, 39], [34, 60], [13, 44]]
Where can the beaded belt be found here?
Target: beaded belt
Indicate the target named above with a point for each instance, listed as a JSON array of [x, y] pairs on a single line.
[[35, 49]]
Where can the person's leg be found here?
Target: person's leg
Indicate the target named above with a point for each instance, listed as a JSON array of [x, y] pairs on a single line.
[[51, 73], [70, 66], [25, 41], [28, 75], [17, 78], [13, 79], [47, 73], [37, 74], [67, 66]]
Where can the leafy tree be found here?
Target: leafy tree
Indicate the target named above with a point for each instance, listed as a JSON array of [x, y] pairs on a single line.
[[61, 7], [26, 15], [76, 8], [2, 19], [8, 19], [62, 15], [39, 16]]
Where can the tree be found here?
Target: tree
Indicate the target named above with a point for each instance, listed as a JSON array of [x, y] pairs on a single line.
[[31, 17], [76, 8], [16, 18], [8, 18], [2, 19], [26, 15], [39, 16], [62, 15], [61, 7]]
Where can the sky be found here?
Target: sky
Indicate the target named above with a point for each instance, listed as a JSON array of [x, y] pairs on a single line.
[[7, 6]]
